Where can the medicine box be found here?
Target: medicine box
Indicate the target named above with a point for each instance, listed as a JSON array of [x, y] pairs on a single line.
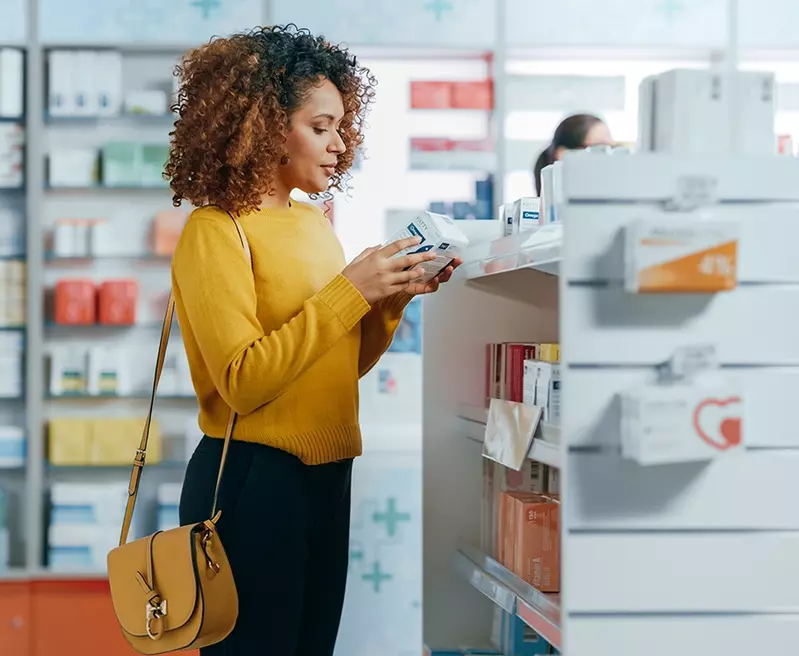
[[547, 391], [438, 233], [12, 447], [526, 213]]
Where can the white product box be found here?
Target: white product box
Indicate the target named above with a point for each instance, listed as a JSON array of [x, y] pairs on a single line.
[[108, 82], [703, 112], [680, 254], [548, 390], [61, 101], [107, 372], [526, 214], [68, 371], [683, 422], [168, 506], [439, 233], [11, 348], [80, 548], [12, 446], [11, 83], [88, 504], [506, 216], [73, 168], [551, 193], [529, 382]]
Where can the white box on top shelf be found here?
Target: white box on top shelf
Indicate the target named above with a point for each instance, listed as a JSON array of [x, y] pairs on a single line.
[[12, 86], [702, 112]]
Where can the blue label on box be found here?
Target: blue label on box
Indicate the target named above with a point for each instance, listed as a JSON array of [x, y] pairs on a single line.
[[416, 232]]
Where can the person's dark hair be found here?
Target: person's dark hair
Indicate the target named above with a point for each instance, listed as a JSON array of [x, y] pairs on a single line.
[[236, 98], [570, 134]]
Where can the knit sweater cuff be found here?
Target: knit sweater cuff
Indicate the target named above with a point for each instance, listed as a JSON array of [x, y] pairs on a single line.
[[395, 305], [341, 296]]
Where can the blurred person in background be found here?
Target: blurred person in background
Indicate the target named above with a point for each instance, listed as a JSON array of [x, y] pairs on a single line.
[[282, 343], [574, 133]]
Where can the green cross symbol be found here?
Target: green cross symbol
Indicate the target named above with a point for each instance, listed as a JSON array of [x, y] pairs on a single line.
[[376, 576], [670, 8], [438, 7], [391, 517], [205, 6]]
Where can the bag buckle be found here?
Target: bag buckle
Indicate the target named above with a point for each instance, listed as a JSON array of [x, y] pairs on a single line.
[[205, 541], [155, 613]]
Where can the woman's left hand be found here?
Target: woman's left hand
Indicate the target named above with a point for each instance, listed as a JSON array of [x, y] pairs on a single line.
[[431, 286]]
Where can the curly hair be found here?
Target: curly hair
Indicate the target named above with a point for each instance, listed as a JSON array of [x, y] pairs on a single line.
[[235, 102]]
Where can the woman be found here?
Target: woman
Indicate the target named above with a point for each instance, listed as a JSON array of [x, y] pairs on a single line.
[[285, 342], [575, 132]]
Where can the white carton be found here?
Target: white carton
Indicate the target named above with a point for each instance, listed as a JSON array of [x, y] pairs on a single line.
[[437, 232], [686, 422], [526, 213], [680, 254], [529, 381], [547, 391]]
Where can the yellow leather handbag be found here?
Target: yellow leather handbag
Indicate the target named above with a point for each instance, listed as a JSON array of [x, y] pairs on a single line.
[[173, 590]]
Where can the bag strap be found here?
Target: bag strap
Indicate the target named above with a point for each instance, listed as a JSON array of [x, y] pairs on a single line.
[[141, 452]]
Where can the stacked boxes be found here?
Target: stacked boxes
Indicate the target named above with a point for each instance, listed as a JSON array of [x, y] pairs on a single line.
[[13, 296], [11, 350], [80, 441], [85, 519], [83, 302], [13, 447]]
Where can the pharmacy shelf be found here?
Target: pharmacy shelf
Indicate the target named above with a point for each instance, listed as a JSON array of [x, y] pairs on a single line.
[[120, 118], [540, 611], [118, 397], [106, 188], [447, 160], [52, 258], [13, 258], [533, 251], [544, 449], [12, 329], [100, 327]]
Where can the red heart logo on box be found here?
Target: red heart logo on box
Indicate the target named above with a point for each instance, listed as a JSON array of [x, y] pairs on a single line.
[[729, 429]]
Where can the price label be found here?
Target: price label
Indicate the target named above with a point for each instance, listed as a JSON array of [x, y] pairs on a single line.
[[686, 254]]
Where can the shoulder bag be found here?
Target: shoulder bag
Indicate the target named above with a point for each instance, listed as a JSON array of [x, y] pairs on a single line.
[[173, 590]]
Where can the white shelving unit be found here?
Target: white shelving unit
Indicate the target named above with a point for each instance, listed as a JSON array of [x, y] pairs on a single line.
[[651, 557]]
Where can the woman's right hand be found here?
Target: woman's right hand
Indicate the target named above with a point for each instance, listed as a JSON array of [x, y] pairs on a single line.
[[375, 273]]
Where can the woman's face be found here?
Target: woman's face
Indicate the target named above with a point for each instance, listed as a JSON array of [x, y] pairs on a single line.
[[598, 135], [314, 143]]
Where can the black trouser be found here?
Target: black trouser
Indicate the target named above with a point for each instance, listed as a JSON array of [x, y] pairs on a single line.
[[285, 528]]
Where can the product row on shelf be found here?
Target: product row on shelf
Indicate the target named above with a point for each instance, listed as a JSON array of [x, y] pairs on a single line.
[[118, 164], [13, 293], [116, 371], [85, 521], [12, 86], [452, 94], [90, 83], [12, 348], [76, 238]]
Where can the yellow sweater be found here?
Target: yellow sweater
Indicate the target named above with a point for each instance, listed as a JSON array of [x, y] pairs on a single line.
[[283, 344]]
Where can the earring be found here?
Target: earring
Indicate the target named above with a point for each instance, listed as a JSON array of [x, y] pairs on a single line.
[[284, 160]]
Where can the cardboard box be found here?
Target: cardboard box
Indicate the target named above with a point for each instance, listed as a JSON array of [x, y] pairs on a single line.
[[478, 94], [117, 300], [438, 233], [535, 523], [431, 95]]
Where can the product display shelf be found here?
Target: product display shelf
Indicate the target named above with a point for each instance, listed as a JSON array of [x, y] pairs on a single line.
[[540, 611], [544, 449], [52, 258], [101, 188], [130, 117], [621, 521], [516, 256], [142, 396]]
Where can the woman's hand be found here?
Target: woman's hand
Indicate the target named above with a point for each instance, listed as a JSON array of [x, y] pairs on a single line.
[[375, 273], [431, 286]]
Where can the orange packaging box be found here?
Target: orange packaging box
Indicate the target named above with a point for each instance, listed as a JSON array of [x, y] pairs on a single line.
[[508, 523], [473, 95], [536, 554], [166, 230], [118, 302], [431, 95], [75, 302]]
